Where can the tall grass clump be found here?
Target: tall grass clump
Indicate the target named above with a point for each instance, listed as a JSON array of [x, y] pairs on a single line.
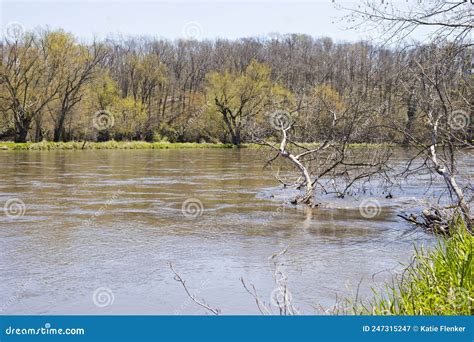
[[437, 282]]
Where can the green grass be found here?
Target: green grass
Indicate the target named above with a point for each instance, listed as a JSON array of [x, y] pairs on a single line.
[[118, 145], [133, 145], [438, 282]]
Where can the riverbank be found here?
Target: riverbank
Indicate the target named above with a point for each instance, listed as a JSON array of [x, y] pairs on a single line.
[[107, 145], [133, 145], [437, 282]]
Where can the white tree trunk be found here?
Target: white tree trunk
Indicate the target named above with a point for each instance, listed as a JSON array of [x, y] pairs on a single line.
[[447, 176], [308, 197]]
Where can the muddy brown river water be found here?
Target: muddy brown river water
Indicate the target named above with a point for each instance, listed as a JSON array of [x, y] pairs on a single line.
[[111, 220]]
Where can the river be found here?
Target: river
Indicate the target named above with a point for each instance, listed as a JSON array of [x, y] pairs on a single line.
[[111, 220]]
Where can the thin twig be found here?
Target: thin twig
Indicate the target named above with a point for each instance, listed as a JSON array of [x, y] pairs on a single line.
[[178, 278]]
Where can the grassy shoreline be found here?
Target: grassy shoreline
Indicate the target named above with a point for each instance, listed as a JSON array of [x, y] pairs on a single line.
[[131, 145], [107, 145], [438, 282]]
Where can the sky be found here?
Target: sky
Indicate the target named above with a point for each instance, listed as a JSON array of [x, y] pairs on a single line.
[[183, 19]]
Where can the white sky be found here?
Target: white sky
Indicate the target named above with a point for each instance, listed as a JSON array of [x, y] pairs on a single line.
[[177, 19]]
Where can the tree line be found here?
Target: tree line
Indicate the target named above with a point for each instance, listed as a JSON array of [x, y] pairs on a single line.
[[54, 87]]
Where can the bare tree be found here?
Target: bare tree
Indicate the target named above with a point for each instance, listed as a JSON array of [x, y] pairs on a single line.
[[440, 86], [396, 21], [443, 102], [330, 165]]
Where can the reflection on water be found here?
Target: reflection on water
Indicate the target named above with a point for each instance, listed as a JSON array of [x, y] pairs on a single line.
[[114, 219]]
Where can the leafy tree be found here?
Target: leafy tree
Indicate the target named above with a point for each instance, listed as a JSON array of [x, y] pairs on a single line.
[[77, 65], [29, 78], [242, 98], [129, 118]]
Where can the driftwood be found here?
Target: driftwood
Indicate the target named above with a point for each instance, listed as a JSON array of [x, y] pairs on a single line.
[[431, 220]]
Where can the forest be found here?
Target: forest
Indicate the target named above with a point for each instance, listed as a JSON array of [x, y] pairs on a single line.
[[56, 88]]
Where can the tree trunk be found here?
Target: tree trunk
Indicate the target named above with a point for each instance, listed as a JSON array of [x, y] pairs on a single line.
[[57, 134], [21, 134], [452, 184], [449, 179], [22, 125], [236, 139], [21, 129], [38, 130], [232, 126], [59, 128], [308, 197], [411, 117]]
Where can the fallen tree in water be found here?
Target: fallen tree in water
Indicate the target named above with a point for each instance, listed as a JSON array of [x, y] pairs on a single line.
[[331, 166], [436, 219]]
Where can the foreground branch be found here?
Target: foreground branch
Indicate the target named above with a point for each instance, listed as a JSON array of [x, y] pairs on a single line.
[[201, 303]]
